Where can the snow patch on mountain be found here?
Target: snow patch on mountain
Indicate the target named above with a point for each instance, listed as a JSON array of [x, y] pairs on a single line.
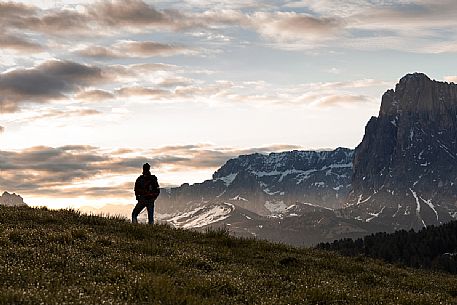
[[276, 207], [374, 215], [202, 216], [228, 179], [238, 198], [314, 205], [304, 175], [418, 207], [267, 191]]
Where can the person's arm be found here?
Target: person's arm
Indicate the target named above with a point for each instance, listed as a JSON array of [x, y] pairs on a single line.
[[156, 187], [136, 189]]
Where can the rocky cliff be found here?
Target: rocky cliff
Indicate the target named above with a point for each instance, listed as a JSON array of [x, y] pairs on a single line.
[[8, 199], [405, 168]]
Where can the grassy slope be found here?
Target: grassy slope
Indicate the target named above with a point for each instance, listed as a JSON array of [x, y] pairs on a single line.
[[58, 257]]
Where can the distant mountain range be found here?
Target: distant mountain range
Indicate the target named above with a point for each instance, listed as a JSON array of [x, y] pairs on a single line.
[[269, 184], [8, 199], [403, 175]]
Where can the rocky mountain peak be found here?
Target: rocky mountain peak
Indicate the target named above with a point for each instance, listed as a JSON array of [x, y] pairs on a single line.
[[415, 77], [406, 164], [417, 94], [8, 199]]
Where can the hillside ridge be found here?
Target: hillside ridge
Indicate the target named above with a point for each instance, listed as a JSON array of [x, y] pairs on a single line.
[[62, 256]]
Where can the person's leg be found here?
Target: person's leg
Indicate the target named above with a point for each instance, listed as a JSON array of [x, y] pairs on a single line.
[[137, 210], [150, 208]]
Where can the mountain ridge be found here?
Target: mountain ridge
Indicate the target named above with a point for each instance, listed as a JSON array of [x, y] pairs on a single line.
[[267, 183]]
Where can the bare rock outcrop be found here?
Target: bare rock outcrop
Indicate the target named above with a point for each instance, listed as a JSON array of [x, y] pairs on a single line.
[[8, 199], [405, 168]]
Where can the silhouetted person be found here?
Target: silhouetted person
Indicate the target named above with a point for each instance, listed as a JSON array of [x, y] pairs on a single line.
[[146, 192]]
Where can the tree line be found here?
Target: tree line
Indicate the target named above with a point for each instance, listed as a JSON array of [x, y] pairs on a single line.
[[434, 247]]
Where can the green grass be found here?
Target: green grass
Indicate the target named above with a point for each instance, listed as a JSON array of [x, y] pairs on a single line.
[[62, 257]]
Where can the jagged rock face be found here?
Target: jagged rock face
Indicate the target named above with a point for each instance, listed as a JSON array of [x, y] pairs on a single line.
[[268, 184], [8, 199], [405, 168]]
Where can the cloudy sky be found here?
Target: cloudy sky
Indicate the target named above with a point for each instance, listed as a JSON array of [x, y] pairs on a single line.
[[90, 90]]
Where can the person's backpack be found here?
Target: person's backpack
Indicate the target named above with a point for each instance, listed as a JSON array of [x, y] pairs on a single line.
[[147, 187]]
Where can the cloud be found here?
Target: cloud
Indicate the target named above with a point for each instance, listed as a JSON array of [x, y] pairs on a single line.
[[420, 26], [353, 84], [133, 71], [332, 94], [143, 91], [317, 99], [225, 5], [19, 44], [115, 191], [60, 23], [341, 100], [74, 170], [2, 129], [218, 88], [113, 17], [28, 17], [259, 93], [175, 81], [129, 13], [132, 49], [150, 48], [452, 78], [94, 95], [413, 26], [100, 52], [184, 89], [49, 81], [107, 18], [59, 114], [14, 11], [99, 18], [292, 26]]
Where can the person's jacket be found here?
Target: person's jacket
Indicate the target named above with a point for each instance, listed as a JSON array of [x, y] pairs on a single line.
[[147, 187]]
